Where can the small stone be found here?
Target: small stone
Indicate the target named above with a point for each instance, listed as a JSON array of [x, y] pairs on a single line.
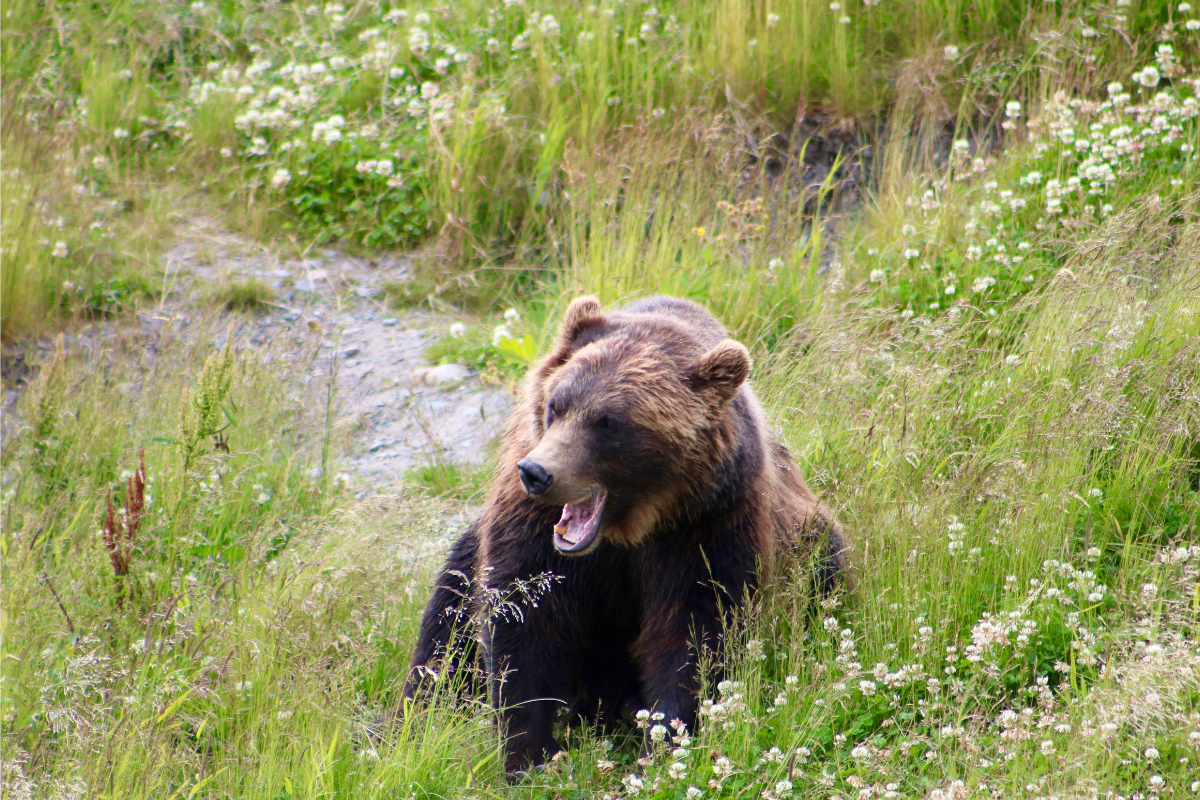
[[350, 352], [364, 291], [390, 322], [443, 375], [303, 285], [282, 273]]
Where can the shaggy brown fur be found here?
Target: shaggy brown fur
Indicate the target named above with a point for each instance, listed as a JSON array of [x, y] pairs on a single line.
[[644, 414]]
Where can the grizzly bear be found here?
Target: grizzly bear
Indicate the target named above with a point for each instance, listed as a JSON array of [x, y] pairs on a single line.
[[639, 499]]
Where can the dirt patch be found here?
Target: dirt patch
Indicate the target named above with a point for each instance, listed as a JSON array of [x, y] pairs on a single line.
[[401, 411]]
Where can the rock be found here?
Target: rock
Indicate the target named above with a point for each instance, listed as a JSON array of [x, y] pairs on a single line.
[[440, 376], [379, 445], [364, 291], [390, 322], [350, 352], [303, 285]]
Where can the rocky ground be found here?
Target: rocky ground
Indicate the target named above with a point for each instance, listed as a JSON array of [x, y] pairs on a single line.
[[403, 411]]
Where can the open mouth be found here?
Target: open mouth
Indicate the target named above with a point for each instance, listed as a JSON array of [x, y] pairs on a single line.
[[577, 530]]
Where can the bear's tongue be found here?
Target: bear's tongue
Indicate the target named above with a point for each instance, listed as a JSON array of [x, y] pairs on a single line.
[[579, 524]]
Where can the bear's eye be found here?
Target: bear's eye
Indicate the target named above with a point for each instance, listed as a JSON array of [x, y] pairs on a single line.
[[606, 423]]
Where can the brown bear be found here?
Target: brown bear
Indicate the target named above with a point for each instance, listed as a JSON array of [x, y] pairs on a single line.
[[640, 497]]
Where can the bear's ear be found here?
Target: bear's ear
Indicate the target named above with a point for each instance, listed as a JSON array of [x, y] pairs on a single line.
[[720, 372], [583, 314], [582, 322]]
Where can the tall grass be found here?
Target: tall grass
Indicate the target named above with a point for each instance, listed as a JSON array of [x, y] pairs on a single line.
[[983, 354], [481, 111]]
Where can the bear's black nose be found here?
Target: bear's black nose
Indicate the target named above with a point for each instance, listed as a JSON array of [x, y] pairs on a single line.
[[536, 479]]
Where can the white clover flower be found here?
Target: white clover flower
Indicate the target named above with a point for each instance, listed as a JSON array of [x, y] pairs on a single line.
[[867, 688], [835, 6], [693, 793], [1192, 24], [1149, 591], [429, 90], [500, 334], [512, 315], [845, 20], [332, 135], [458, 330], [783, 789], [658, 733], [1012, 109], [549, 26], [120, 133], [60, 250], [281, 178], [633, 784], [1012, 361], [1151, 753], [723, 767], [974, 252], [423, 18], [950, 53], [876, 275], [910, 253], [1047, 747], [1148, 77], [754, 649], [772, 20], [1184, 8], [951, 289], [908, 230], [677, 771], [983, 283]]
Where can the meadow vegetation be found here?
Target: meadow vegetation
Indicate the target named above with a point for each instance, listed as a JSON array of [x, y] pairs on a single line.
[[960, 239]]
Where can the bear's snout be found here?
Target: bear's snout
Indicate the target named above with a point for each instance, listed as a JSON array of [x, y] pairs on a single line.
[[534, 476]]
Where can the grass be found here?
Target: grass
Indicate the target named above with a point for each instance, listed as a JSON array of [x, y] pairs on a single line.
[[248, 295], [975, 323]]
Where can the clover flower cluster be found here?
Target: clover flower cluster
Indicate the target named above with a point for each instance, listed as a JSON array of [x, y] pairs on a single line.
[[729, 707]]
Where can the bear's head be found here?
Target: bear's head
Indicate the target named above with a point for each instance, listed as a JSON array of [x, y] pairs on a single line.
[[629, 415]]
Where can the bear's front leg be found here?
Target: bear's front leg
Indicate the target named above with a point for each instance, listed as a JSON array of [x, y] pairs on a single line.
[[689, 593], [522, 682]]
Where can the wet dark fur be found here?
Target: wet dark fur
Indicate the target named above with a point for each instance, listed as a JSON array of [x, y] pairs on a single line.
[[619, 630]]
